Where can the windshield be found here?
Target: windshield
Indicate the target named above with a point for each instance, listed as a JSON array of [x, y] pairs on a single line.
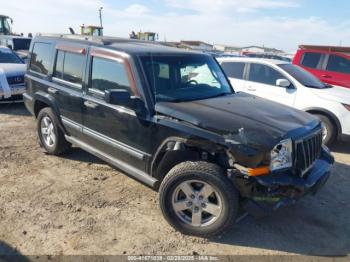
[[7, 56], [177, 78], [21, 44], [304, 77]]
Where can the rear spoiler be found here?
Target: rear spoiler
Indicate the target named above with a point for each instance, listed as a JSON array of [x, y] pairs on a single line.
[[340, 49]]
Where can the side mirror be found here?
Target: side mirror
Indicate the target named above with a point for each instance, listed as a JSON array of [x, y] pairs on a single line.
[[10, 46], [283, 83], [122, 97]]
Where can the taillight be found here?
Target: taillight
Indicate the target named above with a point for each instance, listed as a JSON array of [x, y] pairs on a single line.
[[347, 107]]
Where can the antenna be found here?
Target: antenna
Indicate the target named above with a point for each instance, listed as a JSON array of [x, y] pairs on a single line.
[[100, 14]]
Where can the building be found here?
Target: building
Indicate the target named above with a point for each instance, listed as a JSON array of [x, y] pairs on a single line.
[[228, 49], [197, 45], [260, 49]]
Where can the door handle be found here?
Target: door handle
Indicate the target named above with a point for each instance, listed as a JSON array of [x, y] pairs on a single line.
[[52, 90], [90, 104], [250, 88]]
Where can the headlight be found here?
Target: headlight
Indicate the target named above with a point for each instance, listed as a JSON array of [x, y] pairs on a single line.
[[281, 155]]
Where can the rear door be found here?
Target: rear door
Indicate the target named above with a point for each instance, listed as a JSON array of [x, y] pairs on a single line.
[[67, 84], [262, 82], [337, 70], [235, 72]]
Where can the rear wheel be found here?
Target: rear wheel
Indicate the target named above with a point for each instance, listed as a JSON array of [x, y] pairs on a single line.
[[197, 198], [50, 135], [328, 131]]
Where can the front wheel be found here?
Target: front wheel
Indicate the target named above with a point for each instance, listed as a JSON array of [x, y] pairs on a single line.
[[328, 131], [197, 198]]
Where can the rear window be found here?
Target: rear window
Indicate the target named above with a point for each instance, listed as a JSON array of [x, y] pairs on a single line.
[[234, 70], [338, 64], [21, 44], [311, 60], [69, 67], [41, 58]]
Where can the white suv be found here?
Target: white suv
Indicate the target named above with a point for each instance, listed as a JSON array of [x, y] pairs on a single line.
[[291, 85]]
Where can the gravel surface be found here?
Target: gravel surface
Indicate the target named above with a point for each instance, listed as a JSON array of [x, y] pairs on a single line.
[[77, 204]]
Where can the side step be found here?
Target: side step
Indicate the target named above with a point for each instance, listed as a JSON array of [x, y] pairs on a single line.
[[129, 170]]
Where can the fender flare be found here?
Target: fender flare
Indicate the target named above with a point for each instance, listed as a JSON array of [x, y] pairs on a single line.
[[328, 113], [158, 156], [51, 102]]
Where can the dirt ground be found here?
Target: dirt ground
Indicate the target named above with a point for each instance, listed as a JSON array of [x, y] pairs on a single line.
[[77, 204]]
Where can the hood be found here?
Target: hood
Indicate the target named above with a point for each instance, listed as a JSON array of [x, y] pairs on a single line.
[[243, 118], [335, 93], [13, 69]]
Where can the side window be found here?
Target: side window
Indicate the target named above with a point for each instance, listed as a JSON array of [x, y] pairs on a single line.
[[41, 58], [108, 74], [311, 60], [58, 72], [264, 74], [233, 69], [338, 64], [69, 67]]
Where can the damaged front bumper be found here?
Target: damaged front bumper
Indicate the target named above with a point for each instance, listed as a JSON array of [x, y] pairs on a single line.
[[271, 192]]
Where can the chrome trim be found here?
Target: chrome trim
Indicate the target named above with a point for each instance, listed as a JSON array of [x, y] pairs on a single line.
[[132, 171], [96, 92], [120, 109], [28, 97], [61, 81], [69, 123], [114, 143], [104, 139]]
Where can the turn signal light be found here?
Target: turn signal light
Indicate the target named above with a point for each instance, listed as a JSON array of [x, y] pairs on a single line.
[[260, 171]]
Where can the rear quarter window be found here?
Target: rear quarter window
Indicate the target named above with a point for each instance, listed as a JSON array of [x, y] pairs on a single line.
[[40, 61], [233, 69], [311, 59], [338, 64]]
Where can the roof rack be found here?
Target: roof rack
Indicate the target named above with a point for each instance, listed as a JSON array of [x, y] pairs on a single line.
[[340, 49], [103, 40]]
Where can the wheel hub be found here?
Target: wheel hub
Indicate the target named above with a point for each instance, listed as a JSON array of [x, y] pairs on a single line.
[[197, 203]]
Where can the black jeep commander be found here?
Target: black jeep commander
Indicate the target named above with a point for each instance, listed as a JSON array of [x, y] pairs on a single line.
[[170, 119]]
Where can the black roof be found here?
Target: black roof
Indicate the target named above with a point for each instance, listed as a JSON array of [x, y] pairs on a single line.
[[130, 46]]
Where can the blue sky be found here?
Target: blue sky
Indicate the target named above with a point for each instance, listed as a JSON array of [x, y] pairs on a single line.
[[280, 24]]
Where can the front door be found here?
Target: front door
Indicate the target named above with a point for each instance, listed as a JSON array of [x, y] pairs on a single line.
[[262, 82], [114, 130]]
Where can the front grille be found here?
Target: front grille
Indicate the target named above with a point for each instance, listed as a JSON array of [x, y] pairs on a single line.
[[15, 80], [307, 151]]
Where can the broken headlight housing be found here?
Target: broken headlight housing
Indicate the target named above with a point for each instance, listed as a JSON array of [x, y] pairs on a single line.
[[281, 155]]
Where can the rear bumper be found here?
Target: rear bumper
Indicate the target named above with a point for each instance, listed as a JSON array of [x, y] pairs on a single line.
[[284, 189]]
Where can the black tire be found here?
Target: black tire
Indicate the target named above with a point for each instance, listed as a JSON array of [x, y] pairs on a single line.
[[331, 129], [212, 175], [60, 145]]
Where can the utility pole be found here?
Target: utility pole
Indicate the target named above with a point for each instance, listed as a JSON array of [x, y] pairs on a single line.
[[100, 12]]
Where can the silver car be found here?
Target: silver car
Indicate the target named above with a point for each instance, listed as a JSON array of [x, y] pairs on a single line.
[[12, 70]]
